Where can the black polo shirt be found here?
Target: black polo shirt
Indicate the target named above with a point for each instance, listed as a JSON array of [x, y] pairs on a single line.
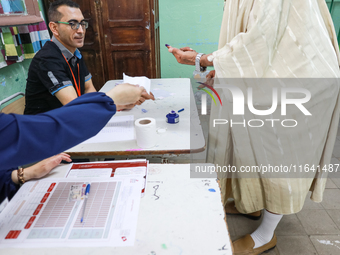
[[49, 73]]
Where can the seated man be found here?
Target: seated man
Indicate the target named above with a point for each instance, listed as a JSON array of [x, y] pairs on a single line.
[[58, 73]]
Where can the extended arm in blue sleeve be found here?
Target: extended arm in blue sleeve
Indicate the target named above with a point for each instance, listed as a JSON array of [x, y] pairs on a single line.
[[25, 138]]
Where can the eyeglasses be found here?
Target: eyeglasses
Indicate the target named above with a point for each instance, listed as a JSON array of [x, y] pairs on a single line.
[[74, 24]]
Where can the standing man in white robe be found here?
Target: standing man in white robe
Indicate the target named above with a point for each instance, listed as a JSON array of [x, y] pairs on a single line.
[[273, 39]]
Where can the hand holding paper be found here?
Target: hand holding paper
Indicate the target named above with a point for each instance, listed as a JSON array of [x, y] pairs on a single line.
[[131, 92], [141, 81], [125, 94]]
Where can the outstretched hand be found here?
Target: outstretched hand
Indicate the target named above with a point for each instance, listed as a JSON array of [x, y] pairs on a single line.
[[184, 55], [187, 56], [144, 96]]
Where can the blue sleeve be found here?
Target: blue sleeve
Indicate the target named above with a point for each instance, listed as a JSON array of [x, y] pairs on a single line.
[[26, 138], [7, 187]]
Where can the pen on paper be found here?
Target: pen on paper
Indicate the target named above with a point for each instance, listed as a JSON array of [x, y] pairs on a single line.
[[87, 191], [181, 110]]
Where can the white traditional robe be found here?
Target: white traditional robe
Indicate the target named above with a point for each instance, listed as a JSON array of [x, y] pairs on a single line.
[[276, 39]]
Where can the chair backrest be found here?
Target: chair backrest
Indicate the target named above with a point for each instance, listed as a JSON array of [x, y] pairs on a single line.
[[18, 106]]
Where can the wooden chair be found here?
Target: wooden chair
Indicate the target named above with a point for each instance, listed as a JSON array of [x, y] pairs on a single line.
[[17, 106]]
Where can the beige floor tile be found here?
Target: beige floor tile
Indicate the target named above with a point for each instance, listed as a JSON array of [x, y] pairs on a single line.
[[337, 142], [336, 168], [290, 225], [331, 199], [335, 215], [330, 184], [334, 175], [231, 229], [336, 151], [274, 251], [326, 245], [241, 226], [336, 181], [335, 160], [317, 222], [338, 134], [309, 204], [295, 245]]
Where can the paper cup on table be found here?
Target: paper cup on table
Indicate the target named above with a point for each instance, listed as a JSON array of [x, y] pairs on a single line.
[[146, 132]]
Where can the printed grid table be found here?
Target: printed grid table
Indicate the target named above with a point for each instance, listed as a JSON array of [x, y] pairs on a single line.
[[177, 215]]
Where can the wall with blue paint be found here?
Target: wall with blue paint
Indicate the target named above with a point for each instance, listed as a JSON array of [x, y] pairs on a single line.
[[192, 23], [13, 78], [196, 23], [334, 6]]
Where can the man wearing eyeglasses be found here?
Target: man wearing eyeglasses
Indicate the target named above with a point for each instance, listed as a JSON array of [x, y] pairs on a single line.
[[58, 73]]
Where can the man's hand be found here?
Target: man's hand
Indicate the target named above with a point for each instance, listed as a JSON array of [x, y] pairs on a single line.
[[184, 55], [187, 56]]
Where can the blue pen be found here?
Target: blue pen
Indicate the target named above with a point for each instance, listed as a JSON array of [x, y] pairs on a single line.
[[87, 191], [181, 110]]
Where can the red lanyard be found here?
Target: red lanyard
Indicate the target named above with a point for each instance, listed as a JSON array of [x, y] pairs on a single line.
[[74, 79]]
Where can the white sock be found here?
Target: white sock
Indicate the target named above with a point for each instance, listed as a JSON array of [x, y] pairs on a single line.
[[265, 232]]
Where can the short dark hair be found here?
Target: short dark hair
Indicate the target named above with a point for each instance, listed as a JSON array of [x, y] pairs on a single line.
[[53, 14]]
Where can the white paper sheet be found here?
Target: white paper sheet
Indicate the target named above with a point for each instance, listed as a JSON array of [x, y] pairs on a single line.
[[90, 173], [40, 215], [4, 204], [119, 128], [160, 93], [140, 80], [126, 171], [131, 170]]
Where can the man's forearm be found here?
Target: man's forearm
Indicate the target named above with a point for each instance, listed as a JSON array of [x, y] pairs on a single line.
[[89, 87]]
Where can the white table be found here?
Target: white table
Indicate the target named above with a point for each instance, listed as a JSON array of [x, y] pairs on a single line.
[[181, 138], [186, 219]]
